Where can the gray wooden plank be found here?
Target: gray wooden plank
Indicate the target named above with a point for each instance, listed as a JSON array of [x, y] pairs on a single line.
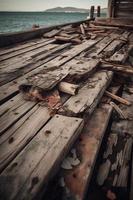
[[116, 44], [12, 113], [49, 147], [54, 64], [13, 48], [24, 45], [23, 51], [16, 138], [24, 67], [15, 63], [88, 96]]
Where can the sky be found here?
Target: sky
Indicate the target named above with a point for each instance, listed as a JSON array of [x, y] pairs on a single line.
[[41, 5]]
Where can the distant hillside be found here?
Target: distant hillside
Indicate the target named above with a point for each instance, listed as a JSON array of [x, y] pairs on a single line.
[[67, 9], [72, 9]]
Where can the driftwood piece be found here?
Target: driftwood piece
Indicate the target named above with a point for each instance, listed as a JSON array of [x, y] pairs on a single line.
[[117, 68], [49, 147], [68, 88], [117, 98], [88, 96], [65, 39], [52, 33], [82, 29]]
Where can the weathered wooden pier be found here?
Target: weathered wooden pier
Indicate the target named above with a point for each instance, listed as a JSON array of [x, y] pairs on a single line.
[[41, 142]]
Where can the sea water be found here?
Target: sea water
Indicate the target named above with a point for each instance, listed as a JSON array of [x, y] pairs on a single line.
[[21, 21]]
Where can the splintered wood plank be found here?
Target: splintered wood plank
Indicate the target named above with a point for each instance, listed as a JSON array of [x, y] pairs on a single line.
[[23, 51], [69, 55], [80, 70], [99, 47], [12, 112], [121, 55], [125, 126], [88, 96], [16, 138], [131, 183], [116, 44], [29, 65], [73, 70], [118, 152], [31, 169]]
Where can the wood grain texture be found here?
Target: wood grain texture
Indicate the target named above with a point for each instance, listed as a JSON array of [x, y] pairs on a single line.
[[89, 95], [28, 173]]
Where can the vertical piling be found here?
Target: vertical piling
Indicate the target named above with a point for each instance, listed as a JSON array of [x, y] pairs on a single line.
[[92, 12], [98, 11]]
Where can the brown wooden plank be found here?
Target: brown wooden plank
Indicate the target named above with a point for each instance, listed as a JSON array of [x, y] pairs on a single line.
[[49, 147], [87, 148], [88, 96]]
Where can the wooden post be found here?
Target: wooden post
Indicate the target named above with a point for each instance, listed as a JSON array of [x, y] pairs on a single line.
[[111, 8], [98, 11], [92, 12]]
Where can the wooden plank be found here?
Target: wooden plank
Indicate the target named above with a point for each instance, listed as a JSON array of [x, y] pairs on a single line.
[[118, 152], [52, 33], [32, 64], [23, 45], [75, 51], [16, 138], [78, 179], [54, 64], [49, 147], [88, 96], [13, 112], [80, 70], [19, 61], [131, 183], [125, 126], [23, 51], [87, 148], [99, 47], [114, 169], [13, 38]]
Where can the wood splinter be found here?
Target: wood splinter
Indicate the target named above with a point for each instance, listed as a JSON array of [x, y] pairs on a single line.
[[117, 98], [68, 88], [118, 110], [82, 29]]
